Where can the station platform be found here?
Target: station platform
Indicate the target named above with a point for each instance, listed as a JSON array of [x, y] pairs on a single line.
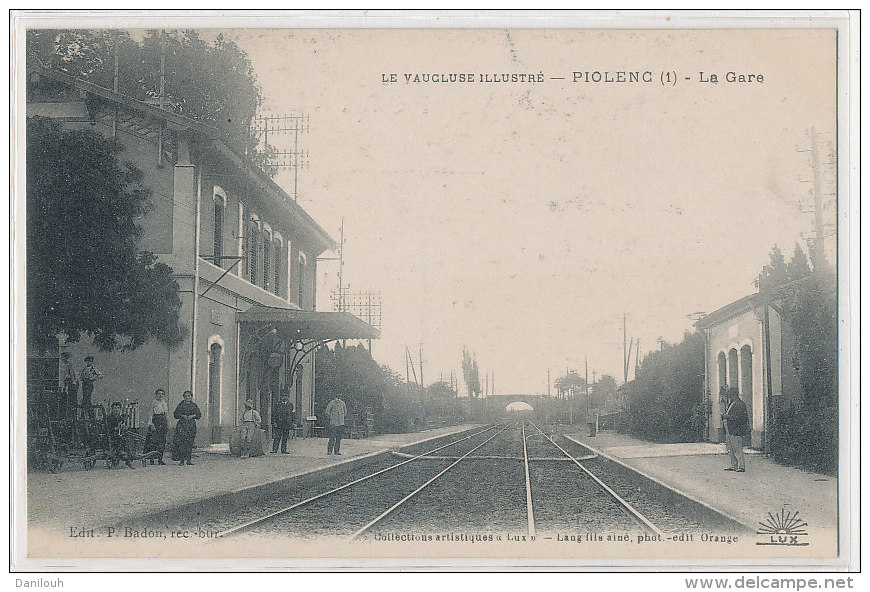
[[696, 470], [100, 496]]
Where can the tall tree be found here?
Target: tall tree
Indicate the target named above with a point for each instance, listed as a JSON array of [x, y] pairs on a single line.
[[84, 272], [211, 81], [470, 373], [604, 393], [775, 273], [571, 383], [798, 267]]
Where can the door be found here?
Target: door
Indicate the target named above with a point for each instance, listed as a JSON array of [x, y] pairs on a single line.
[[214, 391]]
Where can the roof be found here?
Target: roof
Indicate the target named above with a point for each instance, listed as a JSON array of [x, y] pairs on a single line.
[[309, 324], [176, 121], [729, 311], [767, 297]]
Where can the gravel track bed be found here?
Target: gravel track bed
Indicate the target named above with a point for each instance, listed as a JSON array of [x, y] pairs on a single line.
[[227, 512], [458, 450], [666, 515], [509, 442], [476, 496], [634, 489], [564, 498], [342, 513]]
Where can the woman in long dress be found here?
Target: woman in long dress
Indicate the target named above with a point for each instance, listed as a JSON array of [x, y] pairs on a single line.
[[160, 423], [186, 413]]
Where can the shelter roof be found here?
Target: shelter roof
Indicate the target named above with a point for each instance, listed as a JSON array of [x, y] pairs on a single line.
[[294, 324]]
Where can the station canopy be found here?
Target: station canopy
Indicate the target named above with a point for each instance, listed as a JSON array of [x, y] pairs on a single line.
[[307, 325]]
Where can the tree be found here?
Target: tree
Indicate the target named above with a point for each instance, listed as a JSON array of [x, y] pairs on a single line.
[[604, 393], [84, 272], [798, 267], [666, 392], [570, 384], [804, 428], [775, 273], [470, 373], [210, 81]]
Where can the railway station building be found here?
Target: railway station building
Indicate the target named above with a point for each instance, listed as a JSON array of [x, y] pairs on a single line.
[[748, 346], [244, 255]]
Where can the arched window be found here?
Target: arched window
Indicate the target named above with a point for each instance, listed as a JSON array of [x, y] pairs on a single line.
[[733, 376], [301, 281], [219, 207]]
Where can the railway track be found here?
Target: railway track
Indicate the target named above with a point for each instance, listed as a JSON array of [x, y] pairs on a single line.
[[468, 486]]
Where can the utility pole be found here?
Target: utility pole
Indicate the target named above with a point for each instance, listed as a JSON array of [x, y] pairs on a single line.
[[817, 196], [369, 318], [548, 382], [422, 388], [407, 375], [586, 383], [291, 159], [625, 353], [341, 268], [162, 97]]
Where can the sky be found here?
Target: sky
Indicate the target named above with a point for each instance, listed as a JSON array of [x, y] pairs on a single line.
[[523, 220]]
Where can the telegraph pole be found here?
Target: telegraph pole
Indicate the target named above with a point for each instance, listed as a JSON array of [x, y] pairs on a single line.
[[586, 384], [341, 269], [422, 388], [625, 353], [817, 196], [292, 159], [407, 375]]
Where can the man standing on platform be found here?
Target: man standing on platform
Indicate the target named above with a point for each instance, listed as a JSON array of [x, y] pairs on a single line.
[[70, 385], [282, 423], [736, 428], [336, 411], [89, 376]]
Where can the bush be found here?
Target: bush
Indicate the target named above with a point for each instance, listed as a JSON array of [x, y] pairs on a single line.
[[662, 399], [805, 435]]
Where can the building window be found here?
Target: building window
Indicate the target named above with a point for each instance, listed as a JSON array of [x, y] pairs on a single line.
[[267, 252], [219, 206], [276, 280], [301, 281], [254, 246]]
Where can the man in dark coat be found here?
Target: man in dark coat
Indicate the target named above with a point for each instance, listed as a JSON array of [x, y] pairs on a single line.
[[736, 429], [282, 423]]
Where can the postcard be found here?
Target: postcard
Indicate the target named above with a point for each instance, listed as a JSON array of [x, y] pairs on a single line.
[[435, 290]]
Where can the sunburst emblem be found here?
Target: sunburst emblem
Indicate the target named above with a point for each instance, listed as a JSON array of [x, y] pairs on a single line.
[[784, 529]]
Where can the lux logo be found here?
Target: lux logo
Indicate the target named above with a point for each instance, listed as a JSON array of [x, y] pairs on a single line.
[[784, 529]]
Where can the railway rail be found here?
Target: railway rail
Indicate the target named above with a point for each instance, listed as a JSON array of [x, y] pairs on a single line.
[[412, 491]]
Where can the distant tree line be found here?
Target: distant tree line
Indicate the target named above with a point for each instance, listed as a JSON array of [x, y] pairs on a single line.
[[396, 405], [662, 403]]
